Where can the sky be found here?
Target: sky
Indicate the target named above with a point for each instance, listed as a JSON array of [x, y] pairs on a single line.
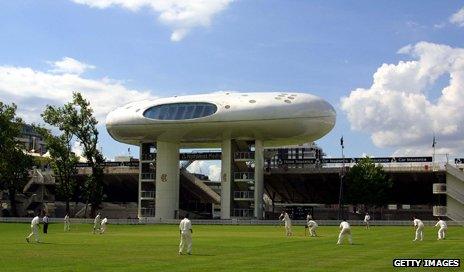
[[393, 70]]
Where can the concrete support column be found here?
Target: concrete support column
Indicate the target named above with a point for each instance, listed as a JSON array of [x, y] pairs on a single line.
[[167, 180], [259, 178], [139, 206], [226, 178]]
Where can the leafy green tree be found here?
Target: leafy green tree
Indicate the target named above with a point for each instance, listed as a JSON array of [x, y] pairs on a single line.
[[76, 118], [14, 163], [367, 184], [63, 162]]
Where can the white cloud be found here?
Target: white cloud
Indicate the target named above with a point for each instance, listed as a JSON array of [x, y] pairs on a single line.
[[214, 172], [210, 168], [397, 109], [69, 65], [458, 18], [180, 15], [32, 90], [439, 26]]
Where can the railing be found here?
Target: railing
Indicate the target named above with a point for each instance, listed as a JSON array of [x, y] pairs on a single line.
[[150, 176], [244, 155], [247, 213], [147, 212], [147, 194], [235, 221], [244, 194], [439, 188], [439, 210], [244, 176]]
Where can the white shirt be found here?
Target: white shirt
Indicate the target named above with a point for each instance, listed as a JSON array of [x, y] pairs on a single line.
[[312, 223], [104, 221], [442, 224], [185, 226], [308, 217], [45, 219], [344, 225], [35, 221], [367, 218], [286, 218], [66, 219], [418, 223], [97, 219]]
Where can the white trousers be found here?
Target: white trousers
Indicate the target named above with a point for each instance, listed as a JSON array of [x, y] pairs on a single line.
[[343, 233], [103, 228], [185, 242], [312, 231], [96, 226], [34, 232], [66, 226], [441, 233], [419, 233], [288, 229]]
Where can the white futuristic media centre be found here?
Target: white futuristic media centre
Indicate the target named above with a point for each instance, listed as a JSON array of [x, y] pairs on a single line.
[[238, 123]]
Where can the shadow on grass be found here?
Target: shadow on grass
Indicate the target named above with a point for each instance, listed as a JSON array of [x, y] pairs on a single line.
[[199, 255]]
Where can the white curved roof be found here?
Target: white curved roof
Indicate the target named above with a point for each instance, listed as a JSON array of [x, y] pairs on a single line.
[[276, 118]]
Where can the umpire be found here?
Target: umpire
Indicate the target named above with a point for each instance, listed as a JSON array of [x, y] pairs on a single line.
[[45, 220]]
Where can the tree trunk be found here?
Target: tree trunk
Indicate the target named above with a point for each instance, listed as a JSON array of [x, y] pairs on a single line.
[[67, 206], [14, 208], [86, 206]]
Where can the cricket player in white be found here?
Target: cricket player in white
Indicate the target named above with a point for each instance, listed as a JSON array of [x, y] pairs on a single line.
[[185, 230], [345, 230], [312, 226], [309, 217], [419, 226], [443, 227], [96, 223], [103, 225], [67, 223], [367, 218], [288, 223], [34, 229]]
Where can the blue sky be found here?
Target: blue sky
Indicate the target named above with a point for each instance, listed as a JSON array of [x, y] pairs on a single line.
[[327, 48]]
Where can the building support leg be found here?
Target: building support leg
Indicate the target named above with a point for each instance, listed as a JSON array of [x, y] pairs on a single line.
[[167, 181]]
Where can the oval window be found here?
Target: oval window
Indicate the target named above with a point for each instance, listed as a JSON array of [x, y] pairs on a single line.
[[180, 111]]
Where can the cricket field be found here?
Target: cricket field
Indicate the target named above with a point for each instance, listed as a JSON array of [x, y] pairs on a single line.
[[220, 248]]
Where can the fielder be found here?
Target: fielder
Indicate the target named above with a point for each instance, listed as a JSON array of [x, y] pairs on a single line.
[[96, 223], [443, 227], [34, 229], [345, 230], [367, 218], [103, 225], [309, 217], [67, 223], [419, 226], [288, 223], [185, 230], [312, 226]]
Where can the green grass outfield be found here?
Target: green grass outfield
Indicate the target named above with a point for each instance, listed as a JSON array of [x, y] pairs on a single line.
[[220, 248]]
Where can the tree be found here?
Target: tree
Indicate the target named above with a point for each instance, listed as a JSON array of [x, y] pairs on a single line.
[[367, 184], [14, 163], [76, 119], [63, 162]]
